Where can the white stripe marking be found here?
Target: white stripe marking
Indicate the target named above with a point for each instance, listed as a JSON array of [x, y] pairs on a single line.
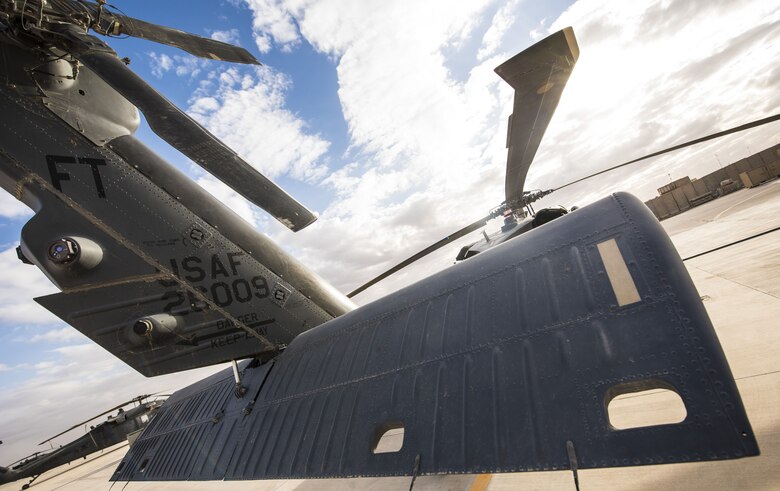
[[617, 271]]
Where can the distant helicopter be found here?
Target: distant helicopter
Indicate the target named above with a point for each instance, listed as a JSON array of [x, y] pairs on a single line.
[[110, 432]]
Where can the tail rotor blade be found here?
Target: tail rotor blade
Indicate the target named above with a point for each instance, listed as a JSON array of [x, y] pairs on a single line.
[[431, 248], [538, 75]]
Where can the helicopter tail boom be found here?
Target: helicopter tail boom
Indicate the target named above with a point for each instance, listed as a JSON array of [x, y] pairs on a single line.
[[507, 362]]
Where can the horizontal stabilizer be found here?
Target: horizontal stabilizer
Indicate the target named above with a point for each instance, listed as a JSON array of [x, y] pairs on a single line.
[[150, 265], [507, 362], [207, 338]]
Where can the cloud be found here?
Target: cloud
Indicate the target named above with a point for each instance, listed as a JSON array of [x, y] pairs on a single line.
[[245, 108], [538, 32], [160, 63], [21, 283], [502, 22], [273, 24], [44, 366], [419, 139], [60, 335], [182, 65], [232, 199], [10, 207], [229, 36], [188, 65]]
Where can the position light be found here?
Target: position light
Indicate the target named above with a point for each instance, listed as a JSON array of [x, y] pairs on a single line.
[[64, 251]]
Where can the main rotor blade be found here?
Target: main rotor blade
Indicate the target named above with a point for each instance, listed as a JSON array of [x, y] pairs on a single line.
[[696, 141], [437, 245], [134, 399], [107, 22], [538, 75], [191, 43], [182, 132]]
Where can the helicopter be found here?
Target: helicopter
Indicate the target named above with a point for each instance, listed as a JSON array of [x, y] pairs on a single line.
[[101, 436], [505, 363]]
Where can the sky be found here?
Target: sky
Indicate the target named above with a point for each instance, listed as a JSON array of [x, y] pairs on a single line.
[[387, 120]]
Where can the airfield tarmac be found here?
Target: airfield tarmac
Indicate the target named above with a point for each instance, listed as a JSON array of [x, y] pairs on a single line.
[[740, 286]]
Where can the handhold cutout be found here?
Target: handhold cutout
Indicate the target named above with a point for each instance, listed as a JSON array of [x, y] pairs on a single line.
[[644, 403], [388, 438]]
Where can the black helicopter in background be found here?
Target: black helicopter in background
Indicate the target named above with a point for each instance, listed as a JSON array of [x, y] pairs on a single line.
[[101, 436]]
